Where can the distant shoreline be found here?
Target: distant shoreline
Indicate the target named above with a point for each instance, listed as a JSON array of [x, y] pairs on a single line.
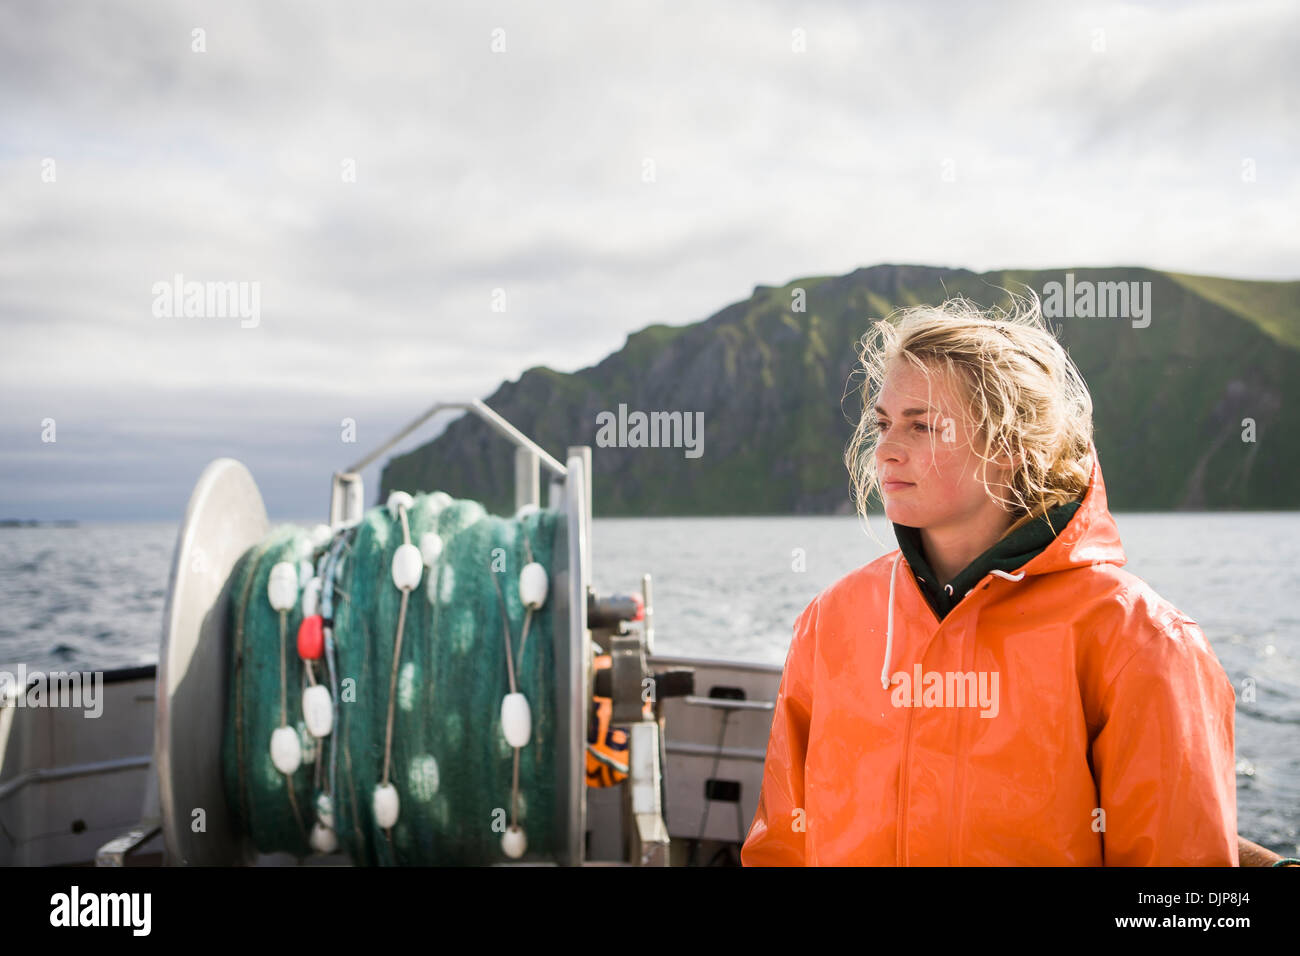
[[36, 523]]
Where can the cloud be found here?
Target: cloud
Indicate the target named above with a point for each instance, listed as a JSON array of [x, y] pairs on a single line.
[[1072, 134]]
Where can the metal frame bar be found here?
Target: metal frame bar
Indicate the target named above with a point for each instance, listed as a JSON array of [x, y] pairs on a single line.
[[51, 774], [499, 424], [572, 662], [687, 749], [677, 660], [726, 703]]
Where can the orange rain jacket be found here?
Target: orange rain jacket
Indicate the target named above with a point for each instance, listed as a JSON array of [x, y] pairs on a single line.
[[1104, 735]]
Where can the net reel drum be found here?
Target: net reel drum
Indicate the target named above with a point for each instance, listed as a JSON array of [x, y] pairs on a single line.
[[226, 516]]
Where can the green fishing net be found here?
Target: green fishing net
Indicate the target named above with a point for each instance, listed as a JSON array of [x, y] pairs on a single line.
[[450, 763]]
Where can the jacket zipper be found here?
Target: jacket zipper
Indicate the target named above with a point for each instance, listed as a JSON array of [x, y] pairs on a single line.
[[957, 805], [900, 844]]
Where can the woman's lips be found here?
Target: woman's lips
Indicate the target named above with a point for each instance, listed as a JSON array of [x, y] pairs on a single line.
[[892, 487]]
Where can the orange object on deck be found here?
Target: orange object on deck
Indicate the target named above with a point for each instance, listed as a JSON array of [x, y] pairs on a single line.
[[606, 745]]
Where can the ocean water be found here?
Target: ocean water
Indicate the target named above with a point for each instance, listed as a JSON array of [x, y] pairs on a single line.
[[91, 598]]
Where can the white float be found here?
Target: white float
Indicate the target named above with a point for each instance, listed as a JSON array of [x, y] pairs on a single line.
[[286, 749], [533, 585], [398, 500], [311, 597], [408, 565], [323, 839], [513, 842], [516, 720], [318, 710], [430, 548], [385, 805], [282, 587]]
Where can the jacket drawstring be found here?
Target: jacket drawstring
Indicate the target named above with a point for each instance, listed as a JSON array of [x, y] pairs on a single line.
[[889, 624]]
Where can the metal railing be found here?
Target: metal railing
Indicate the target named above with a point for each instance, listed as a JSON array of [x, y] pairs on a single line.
[[347, 496]]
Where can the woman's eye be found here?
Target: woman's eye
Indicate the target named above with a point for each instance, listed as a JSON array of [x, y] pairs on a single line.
[[881, 425], [921, 426]]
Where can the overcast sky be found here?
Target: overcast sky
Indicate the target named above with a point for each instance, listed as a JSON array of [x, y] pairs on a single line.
[[779, 140]]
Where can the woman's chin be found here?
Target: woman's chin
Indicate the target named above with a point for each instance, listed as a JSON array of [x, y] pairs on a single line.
[[901, 514]]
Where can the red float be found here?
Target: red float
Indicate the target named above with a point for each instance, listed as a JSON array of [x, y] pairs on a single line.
[[311, 638]]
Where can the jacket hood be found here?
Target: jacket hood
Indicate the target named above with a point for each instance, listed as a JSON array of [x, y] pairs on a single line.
[[1091, 536]]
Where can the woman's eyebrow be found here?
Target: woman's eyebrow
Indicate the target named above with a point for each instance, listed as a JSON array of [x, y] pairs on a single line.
[[907, 412]]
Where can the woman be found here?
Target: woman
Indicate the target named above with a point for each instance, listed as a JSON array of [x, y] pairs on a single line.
[[997, 691]]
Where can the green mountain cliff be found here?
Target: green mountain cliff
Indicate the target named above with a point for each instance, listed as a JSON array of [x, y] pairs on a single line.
[[778, 406]]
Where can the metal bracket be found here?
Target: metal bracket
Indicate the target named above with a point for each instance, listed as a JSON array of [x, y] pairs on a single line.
[[115, 851], [648, 835], [629, 671]]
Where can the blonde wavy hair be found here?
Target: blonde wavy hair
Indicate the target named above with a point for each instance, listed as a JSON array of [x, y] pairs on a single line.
[[1024, 398]]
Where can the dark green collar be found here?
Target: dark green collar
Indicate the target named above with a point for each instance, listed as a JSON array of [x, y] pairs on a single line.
[[1008, 554]]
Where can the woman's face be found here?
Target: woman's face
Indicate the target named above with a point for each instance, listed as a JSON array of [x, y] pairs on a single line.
[[929, 473]]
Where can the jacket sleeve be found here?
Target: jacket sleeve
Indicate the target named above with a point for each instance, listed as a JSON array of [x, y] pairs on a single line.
[[1163, 760], [776, 837]]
